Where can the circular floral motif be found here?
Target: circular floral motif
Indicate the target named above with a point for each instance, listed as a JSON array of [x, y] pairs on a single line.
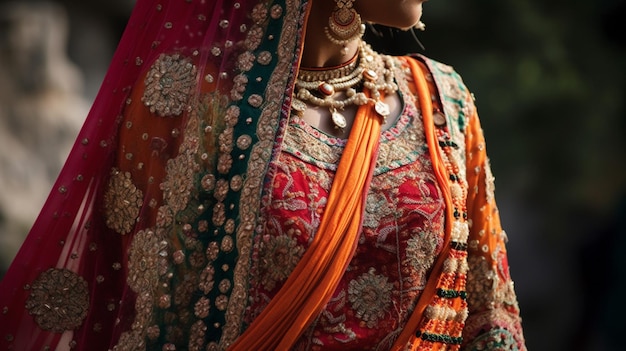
[[279, 255], [265, 58], [370, 296], [224, 163], [219, 214], [202, 307], [245, 61], [122, 202], [420, 251], [232, 116], [259, 13], [207, 279], [168, 85], [179, 181], [59, 300], [254, 38], [236, 183], [239, 87], [244, 142], [276, 11], [221, 189], [208, 182], [143, 261]]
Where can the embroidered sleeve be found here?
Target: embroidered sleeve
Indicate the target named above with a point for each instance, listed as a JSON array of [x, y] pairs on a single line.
[[494, 322]]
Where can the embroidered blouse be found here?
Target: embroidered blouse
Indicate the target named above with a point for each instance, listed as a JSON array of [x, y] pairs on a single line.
[[401, 233]]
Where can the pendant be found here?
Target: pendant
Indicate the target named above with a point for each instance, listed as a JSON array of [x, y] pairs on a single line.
[[338, 119], [382, 109]]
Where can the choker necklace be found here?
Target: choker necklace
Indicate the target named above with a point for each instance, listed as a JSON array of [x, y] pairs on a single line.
[[369, 71], [328, 73]]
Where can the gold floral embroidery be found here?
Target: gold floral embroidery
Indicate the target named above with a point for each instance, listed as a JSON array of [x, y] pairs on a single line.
[[245, 61], [370, 296], [265, 58], [236, 182], [259, 158], [164, 216], [224, 163], [255, 100], [221, 302], [168, 85], [196, 338], [179, 181], [122, 202], [279, 256], [145, 253], [301, 140], [207, 279], [202, 307], [208, 182], [221, 190], [58, 300], [259, 13], [219, 214], [376, 207], [420, 251], [244, 142], [254, 38], [239, 87], [276, 11]]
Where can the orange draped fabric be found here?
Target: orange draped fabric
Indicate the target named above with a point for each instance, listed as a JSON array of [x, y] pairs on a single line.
[[315, 278], [425, 103]]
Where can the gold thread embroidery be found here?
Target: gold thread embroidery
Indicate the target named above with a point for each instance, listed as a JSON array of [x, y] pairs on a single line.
[[122, 202], [259, 157], [370, 296], [168, 85], [58, 300]]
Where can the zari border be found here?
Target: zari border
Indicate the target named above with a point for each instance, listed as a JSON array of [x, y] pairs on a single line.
[[260, 158]]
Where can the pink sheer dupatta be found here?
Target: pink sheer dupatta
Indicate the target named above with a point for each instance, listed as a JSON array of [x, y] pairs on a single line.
[[70, 256]]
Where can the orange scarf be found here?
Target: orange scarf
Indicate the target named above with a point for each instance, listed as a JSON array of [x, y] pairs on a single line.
[[317, 275], [424, 98]]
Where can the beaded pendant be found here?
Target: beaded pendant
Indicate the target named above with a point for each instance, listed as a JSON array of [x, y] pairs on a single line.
[[338, 119]]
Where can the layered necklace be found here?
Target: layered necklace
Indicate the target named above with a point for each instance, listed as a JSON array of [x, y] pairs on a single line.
[[366, 71]]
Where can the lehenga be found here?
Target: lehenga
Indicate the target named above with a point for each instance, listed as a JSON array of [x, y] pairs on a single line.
[[193, 197]]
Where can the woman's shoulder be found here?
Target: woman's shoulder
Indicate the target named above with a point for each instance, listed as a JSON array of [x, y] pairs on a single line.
[[445, 83], [438, 69]]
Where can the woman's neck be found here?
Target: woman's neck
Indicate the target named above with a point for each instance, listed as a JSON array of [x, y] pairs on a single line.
[[319, 51]]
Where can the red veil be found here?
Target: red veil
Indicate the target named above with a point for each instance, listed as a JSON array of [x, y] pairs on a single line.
[[67, 286]]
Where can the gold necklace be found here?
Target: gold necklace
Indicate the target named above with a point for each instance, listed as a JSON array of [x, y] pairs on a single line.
[[324, 73], [373, 72]]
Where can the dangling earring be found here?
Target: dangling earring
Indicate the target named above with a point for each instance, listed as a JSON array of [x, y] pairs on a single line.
[[344, 24], [420, 26]]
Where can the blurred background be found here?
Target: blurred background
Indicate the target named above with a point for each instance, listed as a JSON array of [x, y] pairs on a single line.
[[550, 84]]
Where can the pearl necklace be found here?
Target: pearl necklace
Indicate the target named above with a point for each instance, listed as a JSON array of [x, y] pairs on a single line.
[[373, 72]]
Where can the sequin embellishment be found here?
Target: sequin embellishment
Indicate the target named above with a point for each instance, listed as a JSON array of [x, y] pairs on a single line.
[[59, 300], [370, 296], [122, 202], [168, 85]]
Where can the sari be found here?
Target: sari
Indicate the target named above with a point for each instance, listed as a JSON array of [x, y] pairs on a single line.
[[149, 238]]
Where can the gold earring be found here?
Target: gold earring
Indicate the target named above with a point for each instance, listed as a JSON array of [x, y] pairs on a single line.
[[344, 24]]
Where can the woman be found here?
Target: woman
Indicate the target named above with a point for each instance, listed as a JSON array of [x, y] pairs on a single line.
[[253, 176]]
